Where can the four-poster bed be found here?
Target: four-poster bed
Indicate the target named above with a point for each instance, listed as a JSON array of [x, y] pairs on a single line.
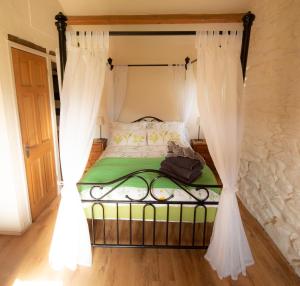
[[221, 67], [197, 207]]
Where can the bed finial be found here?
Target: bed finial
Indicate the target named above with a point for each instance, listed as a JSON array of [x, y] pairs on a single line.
[[61, 24], [109, 60], [187, 60], [248, 19]]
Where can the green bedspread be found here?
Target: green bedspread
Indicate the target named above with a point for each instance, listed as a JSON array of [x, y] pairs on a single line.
[[108, 169]]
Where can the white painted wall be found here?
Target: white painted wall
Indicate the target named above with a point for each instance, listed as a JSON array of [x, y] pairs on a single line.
[[150, 90], [31, 20], [270, 170], [9, 213]]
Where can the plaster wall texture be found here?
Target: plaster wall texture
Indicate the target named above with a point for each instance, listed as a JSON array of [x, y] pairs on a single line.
[[270, 165]]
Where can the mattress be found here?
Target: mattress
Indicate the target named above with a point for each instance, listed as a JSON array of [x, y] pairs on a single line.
[[117, 162]]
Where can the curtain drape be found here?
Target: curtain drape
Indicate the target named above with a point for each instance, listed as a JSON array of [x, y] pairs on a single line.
[[220, 99], [110, 97], [120, 89], [117, 91], [178, 83], [189, 105], [80, 97], [190, 93]]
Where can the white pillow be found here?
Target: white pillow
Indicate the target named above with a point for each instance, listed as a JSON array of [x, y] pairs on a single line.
[[159, 133], [128, 126], [134, 137], [130, 134]]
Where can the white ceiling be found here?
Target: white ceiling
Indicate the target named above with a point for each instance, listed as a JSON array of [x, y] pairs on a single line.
[[102, 7]]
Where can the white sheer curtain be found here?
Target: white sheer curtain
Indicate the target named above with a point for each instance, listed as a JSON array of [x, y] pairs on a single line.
[[117, 91], [120, 89], [80, 97], [190, 93], [189, 106], [110, 97], [220, 99], [177, 74]]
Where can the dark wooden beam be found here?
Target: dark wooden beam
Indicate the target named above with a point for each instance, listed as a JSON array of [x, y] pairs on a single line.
[[52, 53], [155, 19], [26, 43]]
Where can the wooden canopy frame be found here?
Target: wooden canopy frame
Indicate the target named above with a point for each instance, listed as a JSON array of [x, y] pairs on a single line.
[[62, 21], [154, 19]]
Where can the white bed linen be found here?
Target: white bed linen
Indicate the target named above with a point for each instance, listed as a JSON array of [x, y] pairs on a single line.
[[133, 192], [135, 151]]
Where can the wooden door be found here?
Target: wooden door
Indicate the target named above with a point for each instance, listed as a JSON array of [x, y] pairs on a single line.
[[34, 112]]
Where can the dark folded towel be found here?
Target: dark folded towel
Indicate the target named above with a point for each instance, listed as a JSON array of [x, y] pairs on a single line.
[[179, 178], [185, 162], [182, 172]]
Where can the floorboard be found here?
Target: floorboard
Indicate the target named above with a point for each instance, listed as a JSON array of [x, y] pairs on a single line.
[[26, 258]]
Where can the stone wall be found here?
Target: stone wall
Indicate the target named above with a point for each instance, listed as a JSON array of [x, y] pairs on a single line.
[[270, 167]]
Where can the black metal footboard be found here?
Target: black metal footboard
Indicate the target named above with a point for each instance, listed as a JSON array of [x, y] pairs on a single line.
[[180, 231]]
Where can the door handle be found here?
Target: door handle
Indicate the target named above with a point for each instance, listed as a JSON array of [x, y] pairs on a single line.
[[27, 150]]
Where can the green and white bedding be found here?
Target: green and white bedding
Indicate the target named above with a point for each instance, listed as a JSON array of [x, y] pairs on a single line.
[[119, 161]]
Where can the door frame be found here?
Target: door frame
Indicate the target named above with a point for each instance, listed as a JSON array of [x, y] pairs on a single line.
[[48, 58]]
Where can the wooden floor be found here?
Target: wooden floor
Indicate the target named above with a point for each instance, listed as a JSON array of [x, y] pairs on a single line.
[[26, 258]]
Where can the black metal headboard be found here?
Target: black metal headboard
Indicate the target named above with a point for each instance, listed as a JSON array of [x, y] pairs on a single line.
[[148, 118]]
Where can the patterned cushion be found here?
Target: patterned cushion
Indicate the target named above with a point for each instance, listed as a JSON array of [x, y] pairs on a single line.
[[128, 126], [160, 133], [128, 137]]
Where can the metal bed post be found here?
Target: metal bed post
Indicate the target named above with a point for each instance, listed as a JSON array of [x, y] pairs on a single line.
[[248, 19], [61, 25]]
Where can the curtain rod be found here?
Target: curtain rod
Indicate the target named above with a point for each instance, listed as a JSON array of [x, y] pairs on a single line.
[[150, 33], [154, 33], [187, 61], [149, 65]]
